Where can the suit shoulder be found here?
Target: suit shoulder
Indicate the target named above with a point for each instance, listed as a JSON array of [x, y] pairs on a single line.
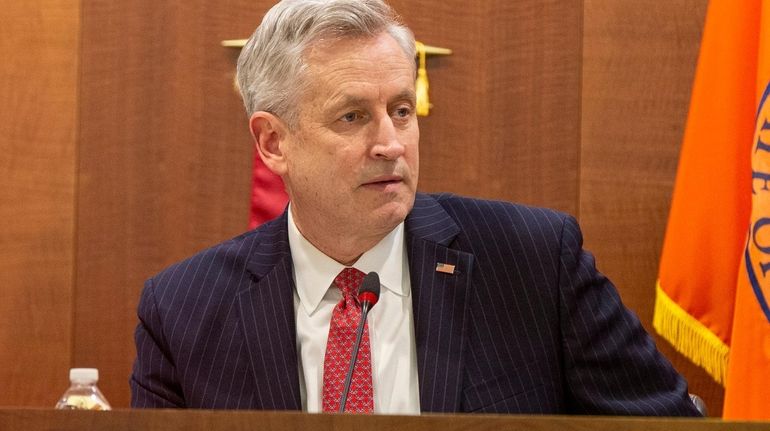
[[224, 251], [229, 257], [474, 210]]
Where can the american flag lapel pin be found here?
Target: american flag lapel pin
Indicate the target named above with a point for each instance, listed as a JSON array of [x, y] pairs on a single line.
[[445, 268]]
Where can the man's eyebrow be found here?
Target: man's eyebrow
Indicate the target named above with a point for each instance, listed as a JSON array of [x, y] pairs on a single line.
[[344, 100], [405, 95]]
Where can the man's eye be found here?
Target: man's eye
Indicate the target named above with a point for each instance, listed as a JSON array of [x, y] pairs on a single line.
[[403, 112], [350, 117]]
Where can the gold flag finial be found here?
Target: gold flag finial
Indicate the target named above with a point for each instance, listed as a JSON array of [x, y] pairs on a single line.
[[421, 86]]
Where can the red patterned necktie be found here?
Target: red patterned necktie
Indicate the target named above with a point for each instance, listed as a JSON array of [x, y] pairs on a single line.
[[342, 335]]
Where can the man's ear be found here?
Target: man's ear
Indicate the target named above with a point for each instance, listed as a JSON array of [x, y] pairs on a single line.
[[269, 133]]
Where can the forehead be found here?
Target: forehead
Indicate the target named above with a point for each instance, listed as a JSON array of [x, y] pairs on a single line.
[[332, 66]]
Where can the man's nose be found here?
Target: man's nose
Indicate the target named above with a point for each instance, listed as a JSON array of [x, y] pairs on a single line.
[[387, 144]]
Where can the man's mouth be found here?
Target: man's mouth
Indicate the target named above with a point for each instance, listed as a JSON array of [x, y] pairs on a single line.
[[384, 181]]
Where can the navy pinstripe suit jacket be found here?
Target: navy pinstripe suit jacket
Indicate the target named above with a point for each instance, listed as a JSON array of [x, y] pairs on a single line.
[[525, 324]]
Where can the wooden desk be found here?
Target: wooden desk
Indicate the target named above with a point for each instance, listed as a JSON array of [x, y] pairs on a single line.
[[194, 420]]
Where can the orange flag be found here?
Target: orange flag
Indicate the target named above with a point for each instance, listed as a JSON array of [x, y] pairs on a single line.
[[706, 304], [747, 390]]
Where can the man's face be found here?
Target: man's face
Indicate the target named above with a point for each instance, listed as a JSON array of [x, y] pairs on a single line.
[[352, 163]]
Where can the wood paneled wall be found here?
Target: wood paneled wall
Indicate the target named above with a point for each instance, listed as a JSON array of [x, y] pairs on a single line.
[[506, 117], [38, 119], [165, 158], [638, 64], [129, 150]]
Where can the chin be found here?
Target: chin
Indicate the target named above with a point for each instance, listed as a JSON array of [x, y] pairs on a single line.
[[395, 212]]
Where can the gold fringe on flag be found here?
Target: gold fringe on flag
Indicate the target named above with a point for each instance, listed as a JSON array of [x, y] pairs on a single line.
[[689, 336]]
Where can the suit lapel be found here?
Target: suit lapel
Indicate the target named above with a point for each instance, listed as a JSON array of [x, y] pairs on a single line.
[[440, 303], [267, 316]]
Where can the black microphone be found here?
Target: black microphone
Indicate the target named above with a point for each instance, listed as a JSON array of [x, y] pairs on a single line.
[[368, 294]]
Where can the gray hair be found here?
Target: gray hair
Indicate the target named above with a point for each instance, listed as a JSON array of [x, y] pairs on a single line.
[[271, 63]]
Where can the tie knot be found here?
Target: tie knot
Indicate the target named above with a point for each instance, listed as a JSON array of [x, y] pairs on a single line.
[[348, 281]]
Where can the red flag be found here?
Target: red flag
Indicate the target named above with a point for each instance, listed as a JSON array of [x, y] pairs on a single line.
[[268, 196]]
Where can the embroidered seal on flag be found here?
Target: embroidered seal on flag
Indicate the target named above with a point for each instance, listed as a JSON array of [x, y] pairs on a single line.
[[757, 252]]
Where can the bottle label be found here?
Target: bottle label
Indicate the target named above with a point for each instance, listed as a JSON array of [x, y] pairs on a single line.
[[82, 402]]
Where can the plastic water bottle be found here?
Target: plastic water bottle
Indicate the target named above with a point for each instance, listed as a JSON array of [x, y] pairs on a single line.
[[83, 393]]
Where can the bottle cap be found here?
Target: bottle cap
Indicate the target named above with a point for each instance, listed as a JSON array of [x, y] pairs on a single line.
[[84, 375]]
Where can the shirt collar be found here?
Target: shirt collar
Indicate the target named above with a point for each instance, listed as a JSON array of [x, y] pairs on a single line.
[[387, 258]]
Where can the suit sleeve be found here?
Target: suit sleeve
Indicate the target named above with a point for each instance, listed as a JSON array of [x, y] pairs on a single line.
[[153, 382], [611, 364]]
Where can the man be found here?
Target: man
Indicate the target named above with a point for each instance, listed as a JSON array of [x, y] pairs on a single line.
[[485, 306]]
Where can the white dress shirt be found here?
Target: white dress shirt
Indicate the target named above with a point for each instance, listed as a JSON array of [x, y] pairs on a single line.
[[391, 325]]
